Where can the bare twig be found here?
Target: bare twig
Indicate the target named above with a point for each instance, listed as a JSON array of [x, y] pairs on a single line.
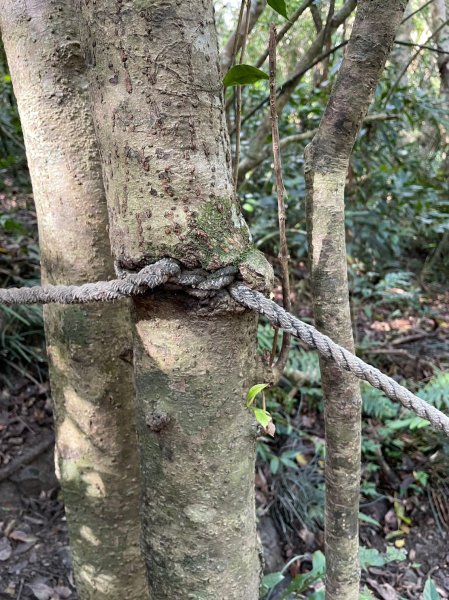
[[316, 15], [19, 594], [283, 249], [230, 60], [238, 110], [296, 76], [412, 45], [404, 70], [246, 165], [416, 11], [237, 34], [295, 16], [29, 455], [234, 42]]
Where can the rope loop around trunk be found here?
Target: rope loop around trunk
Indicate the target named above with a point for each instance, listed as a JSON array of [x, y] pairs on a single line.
[[168, 270]]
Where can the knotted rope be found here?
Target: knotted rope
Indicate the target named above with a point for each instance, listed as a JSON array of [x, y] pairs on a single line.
[[168, 271]]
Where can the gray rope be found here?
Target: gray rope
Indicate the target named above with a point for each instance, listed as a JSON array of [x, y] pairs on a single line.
[[129, 284], [101, 291], [340, 356], [200, 282]]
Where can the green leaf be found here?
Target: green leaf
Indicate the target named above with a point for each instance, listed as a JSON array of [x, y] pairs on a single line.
[[253, 392], [279, 6], [366, 594], [368, 519], [274, 465], [430, 591], [262, 416], [318, 595], [288, 462], [370, 557], [243, 75], [11, 225], [300, 584], [271, 580], [318, 562], [394, 553]]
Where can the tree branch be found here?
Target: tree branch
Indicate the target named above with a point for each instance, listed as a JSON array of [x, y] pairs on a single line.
[[283, 248], [417, 11], [415, 55], [238, 112], [326, 164], [422, 46], [262, 58], [233, 44], [313, 54]]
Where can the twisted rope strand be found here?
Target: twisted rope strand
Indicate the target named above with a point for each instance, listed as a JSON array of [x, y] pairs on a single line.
[[169, 271], [340, 356], [101, 291]]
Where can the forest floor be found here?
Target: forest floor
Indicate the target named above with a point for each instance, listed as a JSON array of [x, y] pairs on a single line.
[[34, 550]]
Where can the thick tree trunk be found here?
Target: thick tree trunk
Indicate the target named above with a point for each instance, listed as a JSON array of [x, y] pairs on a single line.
[[89, 348], [327, 159], [158, 106]]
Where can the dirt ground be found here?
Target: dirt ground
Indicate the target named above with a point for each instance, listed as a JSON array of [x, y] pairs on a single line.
[[34, 550]]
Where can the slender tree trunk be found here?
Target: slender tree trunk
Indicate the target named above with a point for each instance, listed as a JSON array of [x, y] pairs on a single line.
[[327, 159], [439, 17], [89, 348], [158, 106]]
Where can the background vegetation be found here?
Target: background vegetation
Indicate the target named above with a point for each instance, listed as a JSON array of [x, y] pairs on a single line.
[[398, 256]]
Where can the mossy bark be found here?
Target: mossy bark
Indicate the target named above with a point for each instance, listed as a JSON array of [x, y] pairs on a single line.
[[327, 159], [158, 106], [89, 347]]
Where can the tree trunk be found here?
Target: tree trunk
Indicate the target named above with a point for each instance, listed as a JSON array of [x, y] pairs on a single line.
[[327, 159], [89, 347], [401, 54], [439, 17], [158, 106]]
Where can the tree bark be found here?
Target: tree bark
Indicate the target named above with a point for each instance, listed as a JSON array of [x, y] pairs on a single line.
[[158, 106], [327, 159], [89, 347]]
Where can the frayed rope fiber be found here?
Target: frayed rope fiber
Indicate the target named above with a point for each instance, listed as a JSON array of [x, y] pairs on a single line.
[[169, 271]]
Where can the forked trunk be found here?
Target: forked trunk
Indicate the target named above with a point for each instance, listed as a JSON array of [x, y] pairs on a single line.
[[158, 106]]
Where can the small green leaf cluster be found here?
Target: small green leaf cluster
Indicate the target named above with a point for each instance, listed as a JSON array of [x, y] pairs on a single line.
[[300, 583], [262, 416]]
